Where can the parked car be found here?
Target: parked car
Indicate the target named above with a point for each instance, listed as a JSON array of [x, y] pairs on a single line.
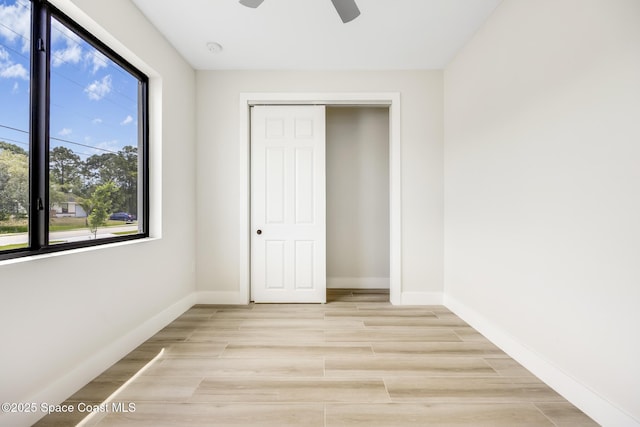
[[122, 216]]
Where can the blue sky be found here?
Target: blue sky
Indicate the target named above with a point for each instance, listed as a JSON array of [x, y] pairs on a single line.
[[93, 101]]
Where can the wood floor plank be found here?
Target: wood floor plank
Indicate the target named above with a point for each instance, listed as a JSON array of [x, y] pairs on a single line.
[[266, 314], [469, 334], [262, 336], [470, 389], [312, 324], [376, 367], [215, 323], [296, 350], [124, 369], [159, 389], [449, 349], [385, 312], [149, 350], [202, 312], [396, 334], [371, 297], [219, 415], [97, 390], [564, 414], [441, 415], [414, 321], [205, 367], [291, 390], [171, 335], [508, 367], [66, 419]]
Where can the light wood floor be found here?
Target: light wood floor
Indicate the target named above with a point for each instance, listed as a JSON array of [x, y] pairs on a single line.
[[355, 361]]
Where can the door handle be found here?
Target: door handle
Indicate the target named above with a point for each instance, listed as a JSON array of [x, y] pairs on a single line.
[[259, 232]]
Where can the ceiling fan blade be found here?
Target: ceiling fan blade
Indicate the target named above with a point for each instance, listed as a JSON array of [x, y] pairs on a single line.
[[251, 3], [347, 9]]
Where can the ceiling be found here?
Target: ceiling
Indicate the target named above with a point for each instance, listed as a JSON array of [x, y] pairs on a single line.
[[308, 34]]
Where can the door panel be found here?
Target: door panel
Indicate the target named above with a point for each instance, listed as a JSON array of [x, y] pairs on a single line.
[[288, 259], [274, 179], [304, 264], [304, 183], [274, 264]]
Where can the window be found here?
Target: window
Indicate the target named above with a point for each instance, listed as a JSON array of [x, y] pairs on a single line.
[[73, 136]]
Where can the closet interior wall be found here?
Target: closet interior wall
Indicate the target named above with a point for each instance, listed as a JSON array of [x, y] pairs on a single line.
[[357, 162]]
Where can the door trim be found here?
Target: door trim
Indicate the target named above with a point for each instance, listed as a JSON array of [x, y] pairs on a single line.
[[390, 99]]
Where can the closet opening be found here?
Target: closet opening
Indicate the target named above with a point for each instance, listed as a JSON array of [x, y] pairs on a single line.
[[357, 203]]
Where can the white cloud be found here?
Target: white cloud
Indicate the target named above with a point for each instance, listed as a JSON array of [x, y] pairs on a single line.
[[96, 121], [127, 120], [16, 25], [70, 48], [61, 33], [16, 88], [13, 71], [113, 145], [97, 60], [65, 132], [9, 69], [99, 89], [70, 54]]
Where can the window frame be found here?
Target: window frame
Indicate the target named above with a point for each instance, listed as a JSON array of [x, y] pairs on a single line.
[[42, 13]]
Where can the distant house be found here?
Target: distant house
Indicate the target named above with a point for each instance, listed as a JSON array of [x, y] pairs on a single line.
[[69, 208]]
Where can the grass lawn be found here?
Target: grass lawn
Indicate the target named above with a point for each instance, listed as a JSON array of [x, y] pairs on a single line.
[[124, 233], [24, 245], [70, 223], [55, 224], [66, 223], [16, 246], [10, 226]]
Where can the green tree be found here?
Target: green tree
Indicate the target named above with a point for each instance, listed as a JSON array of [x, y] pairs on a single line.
[[14, 181], [98, 207], [128, 162], [98, 169], [121, 168], [65, 169], [56, 196], [12, 147]]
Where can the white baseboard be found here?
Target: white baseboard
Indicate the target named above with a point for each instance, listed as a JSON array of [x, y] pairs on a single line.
[[238, 298], [221, 297], [592, 404], [421, 298], [357, 283], [60, 389]]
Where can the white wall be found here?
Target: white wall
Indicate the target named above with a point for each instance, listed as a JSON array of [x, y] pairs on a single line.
[[357, 159], [218, 165], [542, 202], [57, 334]]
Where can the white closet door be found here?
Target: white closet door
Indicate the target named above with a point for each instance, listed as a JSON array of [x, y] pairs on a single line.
[[288, 244]]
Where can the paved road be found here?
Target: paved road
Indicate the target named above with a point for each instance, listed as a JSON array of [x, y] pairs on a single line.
[[68, 236]]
